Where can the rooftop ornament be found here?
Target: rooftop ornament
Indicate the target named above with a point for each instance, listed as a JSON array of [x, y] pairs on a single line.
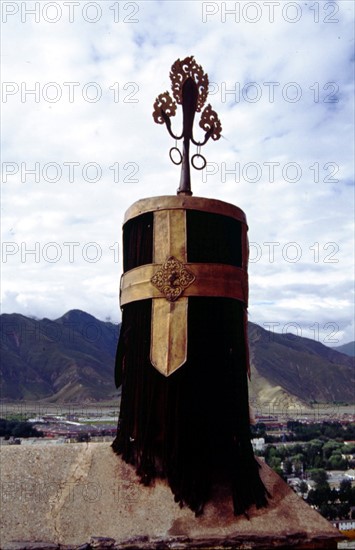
[[189, 86], [182, 356]]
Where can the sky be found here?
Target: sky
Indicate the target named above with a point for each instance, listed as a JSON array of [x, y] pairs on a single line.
[[79, 146]]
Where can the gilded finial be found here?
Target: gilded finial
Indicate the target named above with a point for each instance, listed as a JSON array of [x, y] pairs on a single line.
[[189, 86]]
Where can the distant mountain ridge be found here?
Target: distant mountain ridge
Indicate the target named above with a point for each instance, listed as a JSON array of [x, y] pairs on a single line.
[[348, 349], [301, 368], [71, 359]]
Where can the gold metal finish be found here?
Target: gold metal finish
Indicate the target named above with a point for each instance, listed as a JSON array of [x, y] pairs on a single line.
[[172, 279], [168, 347], [211, 280], [169, 236], [184, 202]]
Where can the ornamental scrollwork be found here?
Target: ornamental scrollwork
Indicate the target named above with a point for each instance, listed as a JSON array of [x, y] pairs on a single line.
[[172, 278], [189, 85], [181, 71], [164, 103], [211, 123]]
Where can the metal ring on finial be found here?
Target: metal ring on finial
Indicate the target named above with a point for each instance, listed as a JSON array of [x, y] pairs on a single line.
[[203, 162], [171, 155]]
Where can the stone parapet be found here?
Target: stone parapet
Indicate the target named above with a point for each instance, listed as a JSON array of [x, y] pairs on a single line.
[[84, 496]]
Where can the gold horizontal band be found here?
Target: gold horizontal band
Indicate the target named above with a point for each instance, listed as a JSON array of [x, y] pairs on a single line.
[[184, 202], [212, 280]]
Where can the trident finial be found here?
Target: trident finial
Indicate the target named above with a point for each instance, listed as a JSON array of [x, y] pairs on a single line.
[[189, 85]]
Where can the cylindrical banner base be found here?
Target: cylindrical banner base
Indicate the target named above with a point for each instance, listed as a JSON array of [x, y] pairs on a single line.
[[182, 356]]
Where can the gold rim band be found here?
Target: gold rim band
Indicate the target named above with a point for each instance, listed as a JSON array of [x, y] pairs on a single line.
[[212, 280], [184, 202]]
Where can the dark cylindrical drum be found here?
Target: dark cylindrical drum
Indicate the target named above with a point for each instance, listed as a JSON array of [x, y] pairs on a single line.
[[182, 356]]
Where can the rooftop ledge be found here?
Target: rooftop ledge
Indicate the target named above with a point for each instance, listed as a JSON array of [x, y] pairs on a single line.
[[83, 495]]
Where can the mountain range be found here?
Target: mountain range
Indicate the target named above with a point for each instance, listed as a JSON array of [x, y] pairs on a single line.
[[290, 368], [348, 349], [71, 360]]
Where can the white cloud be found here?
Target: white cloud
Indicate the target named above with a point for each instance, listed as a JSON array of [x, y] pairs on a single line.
[[115, 140]]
